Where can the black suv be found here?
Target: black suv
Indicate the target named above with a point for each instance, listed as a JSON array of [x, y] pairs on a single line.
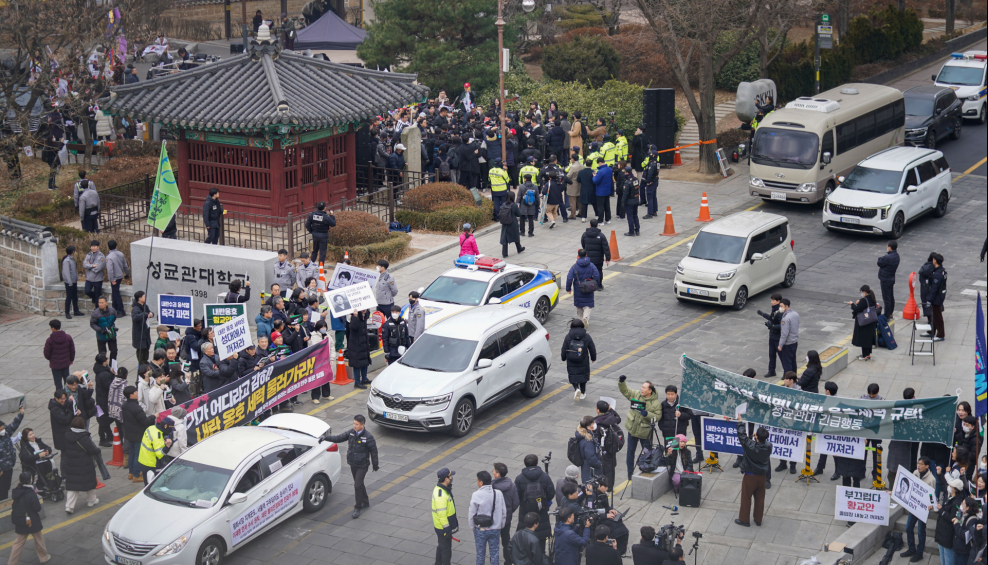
[[932, 113]]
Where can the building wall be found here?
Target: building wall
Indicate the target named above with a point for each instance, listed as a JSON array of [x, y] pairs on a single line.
[[24, 268]]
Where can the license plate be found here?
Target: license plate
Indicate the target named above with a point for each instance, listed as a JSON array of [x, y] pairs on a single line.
[[778, 196], [850, 220], [697, 292], [125, 561], [391, 416]]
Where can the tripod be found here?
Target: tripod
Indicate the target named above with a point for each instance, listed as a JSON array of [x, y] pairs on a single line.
[[695, 550]]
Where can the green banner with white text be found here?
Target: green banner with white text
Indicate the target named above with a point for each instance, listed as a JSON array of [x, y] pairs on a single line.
[[720, 392]]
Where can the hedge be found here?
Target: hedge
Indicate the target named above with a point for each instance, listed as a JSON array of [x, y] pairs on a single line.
[[793, 71], [355, 228], [393, 248], [449, 220], [585, 59], [434, 196]]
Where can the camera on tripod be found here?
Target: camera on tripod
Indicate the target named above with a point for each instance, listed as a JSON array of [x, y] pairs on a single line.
[[668, 535]]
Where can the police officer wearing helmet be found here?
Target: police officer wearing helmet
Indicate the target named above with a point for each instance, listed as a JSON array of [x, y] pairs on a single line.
[[318, 224], [444, 515], [650, 180]]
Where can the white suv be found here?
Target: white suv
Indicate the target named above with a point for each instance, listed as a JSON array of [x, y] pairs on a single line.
[[735, 258], [888, 190], [461, 366]]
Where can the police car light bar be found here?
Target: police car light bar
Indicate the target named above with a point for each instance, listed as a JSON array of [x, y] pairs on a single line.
[[479, 262], [981, 57], [957, 55]]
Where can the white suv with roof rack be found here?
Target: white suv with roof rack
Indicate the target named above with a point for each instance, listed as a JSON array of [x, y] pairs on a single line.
[[888, 190], [966, 74]]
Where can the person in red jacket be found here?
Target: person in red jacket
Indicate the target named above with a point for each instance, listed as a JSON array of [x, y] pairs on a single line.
[[60, 353]]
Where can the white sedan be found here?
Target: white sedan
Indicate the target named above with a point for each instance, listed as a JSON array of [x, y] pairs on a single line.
[[225, 491]]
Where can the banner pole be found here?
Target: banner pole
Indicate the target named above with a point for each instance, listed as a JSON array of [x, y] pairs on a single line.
[[807, 472], [879, 482]]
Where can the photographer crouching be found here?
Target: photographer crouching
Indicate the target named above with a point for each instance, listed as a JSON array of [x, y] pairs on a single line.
[[595, 497], [655, 549]]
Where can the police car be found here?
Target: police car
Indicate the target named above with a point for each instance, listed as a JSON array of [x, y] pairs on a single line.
[[476, 280], [965, 73]]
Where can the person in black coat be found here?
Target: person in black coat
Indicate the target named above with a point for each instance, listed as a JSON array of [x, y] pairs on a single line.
[[887, 265], [810, 380], [578, 352], [588, 194], [31, 450], [140, 313], [212, 215], [598, 249], [773, 321], [179, 385], [602, 552], [532, 474], [357, 351], [850, 470], [60, 411], [864, 336], [935, 294], [78, 466], [510, 233], [26, 517], [361, 454], [469, 167], [103, 379], [135, 423], [944, 534]]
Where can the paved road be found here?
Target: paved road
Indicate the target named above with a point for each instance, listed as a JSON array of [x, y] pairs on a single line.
[[968, 154]]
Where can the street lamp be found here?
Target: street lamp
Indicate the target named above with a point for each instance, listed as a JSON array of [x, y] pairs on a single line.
[[528, 6]]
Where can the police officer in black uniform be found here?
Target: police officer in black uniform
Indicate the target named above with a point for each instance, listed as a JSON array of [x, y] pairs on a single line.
[[318, 224], [361, 453], [212, 214], [649, 184]]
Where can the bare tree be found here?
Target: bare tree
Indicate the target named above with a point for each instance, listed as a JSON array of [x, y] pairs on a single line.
[[951, 16], [773, 29], [688, 31], [610, 12]]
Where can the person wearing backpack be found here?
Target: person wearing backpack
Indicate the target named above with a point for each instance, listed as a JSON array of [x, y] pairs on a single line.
[[536, 492], [639, 424], [508, 217], [584, 278], [443, 165], [487, 517], [609, 436], [586, 452], [578, 352], [528, 204]]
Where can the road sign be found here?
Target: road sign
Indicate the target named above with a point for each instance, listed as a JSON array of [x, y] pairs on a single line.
[[825, 18], [825, 29], [826, 42]]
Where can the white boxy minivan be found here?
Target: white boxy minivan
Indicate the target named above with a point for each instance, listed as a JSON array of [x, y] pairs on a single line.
[[735, 258]]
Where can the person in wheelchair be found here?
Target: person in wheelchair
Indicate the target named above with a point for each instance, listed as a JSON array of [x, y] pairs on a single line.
[[36, 461]]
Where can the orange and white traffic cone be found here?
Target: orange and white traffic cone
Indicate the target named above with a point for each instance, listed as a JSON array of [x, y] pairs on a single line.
[[341, 377], [670, 229], [677, 160], [118, 455], [346, 255], [321, 285], [615, 256], [704, 209]]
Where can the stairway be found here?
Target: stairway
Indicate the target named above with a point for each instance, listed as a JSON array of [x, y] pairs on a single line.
[[691, 131], [931, 529]]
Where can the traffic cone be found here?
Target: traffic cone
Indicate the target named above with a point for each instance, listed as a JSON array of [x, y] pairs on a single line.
[[321, 285], [118, 456], [670, 229], [615, 256], [99, 484], [346, 255], [677, 160], [342, 377], [704, 209], [911, 310]]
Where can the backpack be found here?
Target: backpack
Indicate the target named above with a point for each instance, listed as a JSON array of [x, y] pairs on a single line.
[[650, 459], [584, 132], [444, 170], [533, 499], [529, 197], [576, 351], [505, 215], [573, 451], [613, 439]]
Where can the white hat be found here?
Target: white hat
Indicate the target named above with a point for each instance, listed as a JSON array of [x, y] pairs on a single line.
[[572, 471], [399, 146], [957, 484]]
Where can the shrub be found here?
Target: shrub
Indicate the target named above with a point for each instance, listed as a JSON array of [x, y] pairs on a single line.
[[642, 61], [533, 55], [139, 148], [576, 17], [449, 220], [354, 228], [583, 32], [793, 70], [884, 35], [742, 68], [44, 209], [123, 170], [588, 60], [434, 196], [31, 200], [392, 248], [731, 138]]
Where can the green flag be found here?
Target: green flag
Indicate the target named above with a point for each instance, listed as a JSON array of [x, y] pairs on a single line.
[[166, 199]]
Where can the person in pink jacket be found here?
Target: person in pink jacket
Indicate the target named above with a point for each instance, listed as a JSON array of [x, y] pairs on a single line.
[[468, 245]]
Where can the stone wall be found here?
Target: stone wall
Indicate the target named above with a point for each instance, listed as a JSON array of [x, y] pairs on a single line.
[[27, 263]]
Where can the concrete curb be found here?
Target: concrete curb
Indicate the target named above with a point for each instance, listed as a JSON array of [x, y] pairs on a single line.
[[862, 540], [439, 249]]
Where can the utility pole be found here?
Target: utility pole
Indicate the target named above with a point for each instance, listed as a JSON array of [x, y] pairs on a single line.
[[501, 60], [823, 39]]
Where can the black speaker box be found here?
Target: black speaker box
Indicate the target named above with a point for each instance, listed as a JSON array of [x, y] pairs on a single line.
[[659, 105], [663, 138], [690, 487]]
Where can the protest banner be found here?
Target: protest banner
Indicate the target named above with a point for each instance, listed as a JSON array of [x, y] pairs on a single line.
[[913, 494], [232, 337], [862, 505], [351, 299], [720, 392], [788, 445], [980, 374], [839, 446], [346, 275], [721, 436], [175, 310], [218, 314], [241, 401]]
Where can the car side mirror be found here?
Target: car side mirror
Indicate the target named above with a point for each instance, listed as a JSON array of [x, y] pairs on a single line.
[[420, 290], [237, 498], [840, 180], [484, 364], [401, 350], [827, 157], [689, 245], [934, 77], [910, 189], [494, 300], [150, 476], [756, 257]]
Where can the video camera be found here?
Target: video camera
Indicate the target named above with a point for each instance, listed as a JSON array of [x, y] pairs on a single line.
[[667, 536]]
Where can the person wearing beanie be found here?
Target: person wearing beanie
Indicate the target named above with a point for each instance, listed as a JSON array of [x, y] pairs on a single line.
[[26, 517], [572, 477], [468, 243], [681, 454]]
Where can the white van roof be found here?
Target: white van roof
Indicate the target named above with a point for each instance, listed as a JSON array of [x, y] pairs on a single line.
[[897, 158], [838, 104], [744, 224]]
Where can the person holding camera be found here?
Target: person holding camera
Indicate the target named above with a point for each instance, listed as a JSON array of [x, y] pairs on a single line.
[[773, 321], [569, 544], [648, 551], [612, 519], [603, 550]]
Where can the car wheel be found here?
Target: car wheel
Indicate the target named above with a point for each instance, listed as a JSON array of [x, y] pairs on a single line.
[[741, 298], [981, 116], [790, 277], [827, 192], [941, 209], [315, 494], [898, 224], [534, 380], [211, 552], [463, 416], [931, 140], [542, 310], [956, 134]]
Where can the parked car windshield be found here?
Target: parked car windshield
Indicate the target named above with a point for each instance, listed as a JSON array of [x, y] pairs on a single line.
[[186, 483], [785, 148], [455, 290], [441, 354], [717, 247], [919, 106], [866, 179], [961, 76]]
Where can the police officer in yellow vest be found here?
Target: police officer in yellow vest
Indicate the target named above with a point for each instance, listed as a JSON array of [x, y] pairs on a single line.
[[609, 151], [622, 146], [499, 185], [444, 516], [591, 159], [530, 169], [153, 446]]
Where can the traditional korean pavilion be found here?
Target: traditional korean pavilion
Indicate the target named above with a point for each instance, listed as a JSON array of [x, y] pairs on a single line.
[[271, 129]]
